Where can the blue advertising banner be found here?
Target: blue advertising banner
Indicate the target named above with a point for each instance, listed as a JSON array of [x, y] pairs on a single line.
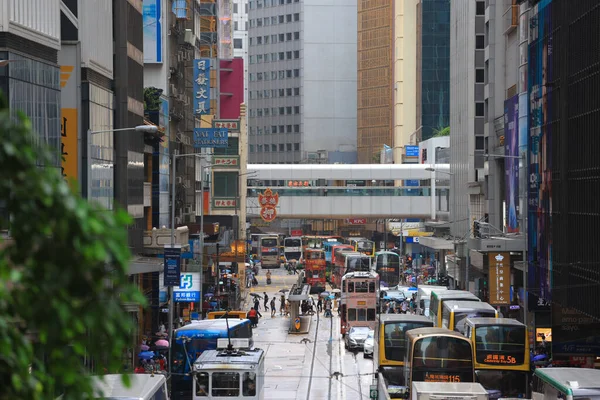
[[172, 265], [539, 193], [210, 138], [412, 151], [511, 162], [152, 28], [411, 182], [202, 86]]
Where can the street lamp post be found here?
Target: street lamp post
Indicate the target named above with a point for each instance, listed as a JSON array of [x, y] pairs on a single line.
[[139, 128]]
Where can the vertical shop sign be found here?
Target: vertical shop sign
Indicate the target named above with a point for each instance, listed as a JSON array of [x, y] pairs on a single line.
[[202, 86], [172, 265], [69, 124], [499, 278]]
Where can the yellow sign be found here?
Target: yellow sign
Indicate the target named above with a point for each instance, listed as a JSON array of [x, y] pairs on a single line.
[[441, 377], [297, 323], [68, 133], [499, 359]]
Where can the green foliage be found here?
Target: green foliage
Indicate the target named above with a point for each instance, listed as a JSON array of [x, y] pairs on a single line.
[[439, 132], [152, 99], [63, 277]]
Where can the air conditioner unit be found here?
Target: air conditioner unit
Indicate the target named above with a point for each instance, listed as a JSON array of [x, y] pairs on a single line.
[[188, 210], [178, 180]]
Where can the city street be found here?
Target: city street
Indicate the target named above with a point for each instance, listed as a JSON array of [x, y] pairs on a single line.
[[306, 366]]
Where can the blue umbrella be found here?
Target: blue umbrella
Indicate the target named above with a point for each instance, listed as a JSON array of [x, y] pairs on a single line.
[[146, 355], [540, 357]]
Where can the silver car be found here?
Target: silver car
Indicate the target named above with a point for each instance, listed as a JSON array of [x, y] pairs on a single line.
[[356, 337], [369, 344]]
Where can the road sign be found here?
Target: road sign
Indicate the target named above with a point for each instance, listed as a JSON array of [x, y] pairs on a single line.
[[373, 393]]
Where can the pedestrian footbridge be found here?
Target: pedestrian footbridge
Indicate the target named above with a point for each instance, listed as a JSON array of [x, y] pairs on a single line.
[[324, 191]]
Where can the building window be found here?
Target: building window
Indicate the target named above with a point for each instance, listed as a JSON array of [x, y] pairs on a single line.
[[259, 76], [479, 75], [252, 60], [296, 54], [259, 22], [289, 73], [288, 55], [267, 21], [296, 16], [251, 5], [296, 128], [225, 184], [273, 147], [281, 37], [267, 93], [232, 149], [259, 131], [273, 128], [479, 109], [479, 42], [281, 110], [288, 128], [266, 112], [288, 92], [267, 130], [274, 111], [273, 20], [288, 18], [251, 130], [238, 43], [281, 92], [266, 38], [251, 77], [288, 147], [259, 40], [235, 8], [282, 74], [281, 19], [235, 26], [479, 143], [259, 112], [281, 129], [288, 36], [281, 147], [296, 35], [251, 148], [251, 41], [273, 57], [296, 109], [296, 91], [259, 3], [259, 59], [288, 110], [296, 146], [251, 94], [281, 56], [281, 2], [296, 73], [480, 8]]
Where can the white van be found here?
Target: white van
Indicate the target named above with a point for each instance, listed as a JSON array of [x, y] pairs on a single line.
[[142, 387], [424, 296]]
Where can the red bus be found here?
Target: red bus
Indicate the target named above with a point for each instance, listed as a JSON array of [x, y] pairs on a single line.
[[348, 261], [314, 269], [360, 291]]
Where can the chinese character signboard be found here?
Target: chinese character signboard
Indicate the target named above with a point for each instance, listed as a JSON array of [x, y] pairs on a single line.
[[68, 58], [298, 183], [202, 86], [210, 138], [226, 161], [172, 265], [499, 278], [232, 125], [189, 288], [221, 203], [268, 202]]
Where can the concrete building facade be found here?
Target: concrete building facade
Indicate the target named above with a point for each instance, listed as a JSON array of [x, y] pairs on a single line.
[[302, 80]]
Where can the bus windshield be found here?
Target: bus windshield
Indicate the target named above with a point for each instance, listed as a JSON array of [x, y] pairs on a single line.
[[270, 242], [364, 245], [500, 345], [442, 359], [388, 268], [293, 243], [395, 338], [358, 263]]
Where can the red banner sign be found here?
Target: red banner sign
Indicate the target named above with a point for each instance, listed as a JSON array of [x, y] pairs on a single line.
[[296, 232], [268, 202], [356, 221]]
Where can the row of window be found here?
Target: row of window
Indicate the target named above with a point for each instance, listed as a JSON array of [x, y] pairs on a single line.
[[275, 129], [255, 4], [281, 56], [273, 148], [274, 111], [273, 93], [278, 19], [273, 75], [276, 38]]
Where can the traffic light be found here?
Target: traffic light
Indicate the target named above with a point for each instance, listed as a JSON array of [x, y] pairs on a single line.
[[476, 229]]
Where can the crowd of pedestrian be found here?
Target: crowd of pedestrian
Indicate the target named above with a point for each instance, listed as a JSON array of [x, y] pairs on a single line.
[[405, 306]]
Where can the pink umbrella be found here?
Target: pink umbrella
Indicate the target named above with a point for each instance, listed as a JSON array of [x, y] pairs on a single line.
[[162, 343], [144, 347]]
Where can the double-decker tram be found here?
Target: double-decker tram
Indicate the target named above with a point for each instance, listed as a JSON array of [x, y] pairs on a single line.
[[315, 268], [456, 312], [349, 261], [502, 360], [390, 343], [359, 300], [437, 355], [387, 265]]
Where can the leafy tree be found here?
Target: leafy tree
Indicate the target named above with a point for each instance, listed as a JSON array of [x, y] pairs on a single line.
[[439, 132], [63, 277]]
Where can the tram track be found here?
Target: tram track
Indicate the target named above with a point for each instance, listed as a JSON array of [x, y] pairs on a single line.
[[313, 358]]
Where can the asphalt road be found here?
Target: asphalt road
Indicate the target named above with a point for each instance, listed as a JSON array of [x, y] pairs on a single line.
[[308, 366]]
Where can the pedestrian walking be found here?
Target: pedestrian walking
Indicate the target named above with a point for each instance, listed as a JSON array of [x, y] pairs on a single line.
[[404, 307], [256, 305], [252, 316], [273, 309], [328, 309], [282, 304], [266, 301], [294, 269], [319, 305]]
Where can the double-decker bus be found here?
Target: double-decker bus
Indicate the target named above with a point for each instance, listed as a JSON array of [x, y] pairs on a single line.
[[362, 245], [436, 305], [292, 248], [193, 339], [315, 268], [424, 297], [360, 292], [437, 355], [387, 265], [502, 360], [269, 252], [390, 343], [328, 248], [349, 261], [456, 312]]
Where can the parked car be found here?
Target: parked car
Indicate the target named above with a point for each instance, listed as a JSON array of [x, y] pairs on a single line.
[[355, 338], [369, 344]]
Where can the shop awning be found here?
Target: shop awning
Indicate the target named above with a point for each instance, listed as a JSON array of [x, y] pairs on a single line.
[[436, 243], [143, 265]]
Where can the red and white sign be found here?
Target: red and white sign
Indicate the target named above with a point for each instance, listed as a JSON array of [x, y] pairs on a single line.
[[356, 221], [296, 232]]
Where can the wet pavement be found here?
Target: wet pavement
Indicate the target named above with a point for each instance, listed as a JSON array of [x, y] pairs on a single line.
[[306, 366]]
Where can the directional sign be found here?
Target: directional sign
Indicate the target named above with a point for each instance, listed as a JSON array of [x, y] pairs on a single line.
[[499, 278]]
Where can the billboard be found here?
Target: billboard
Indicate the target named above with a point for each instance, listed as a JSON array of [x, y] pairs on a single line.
[[202, 86], [539, 193], [231, 75], [152, 28], [499, 275], [70, 97], [511, 162]]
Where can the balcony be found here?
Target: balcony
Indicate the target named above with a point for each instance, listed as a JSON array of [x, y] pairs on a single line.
[[147, 194], [156, 239], [511, 19]]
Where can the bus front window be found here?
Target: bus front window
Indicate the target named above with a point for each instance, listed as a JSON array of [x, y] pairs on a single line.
[[500, 345], [202, 384], [225, 384], [442, 359]]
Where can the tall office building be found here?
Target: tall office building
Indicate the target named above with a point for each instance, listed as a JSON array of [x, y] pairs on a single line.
[[375, 78], [302, 81], [240, 37]]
